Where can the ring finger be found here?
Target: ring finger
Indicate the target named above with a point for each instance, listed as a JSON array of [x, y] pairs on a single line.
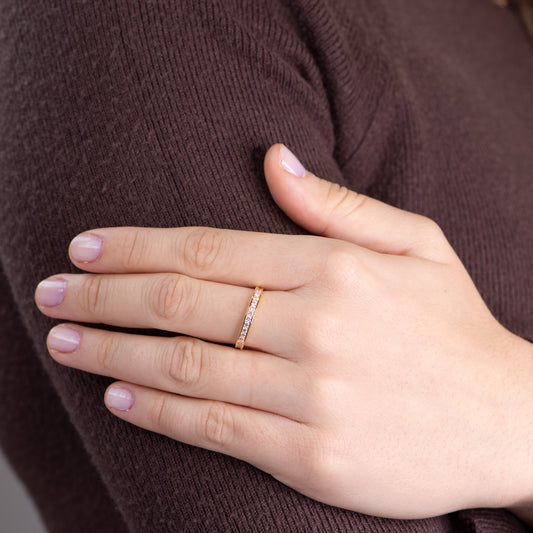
[[173, 302], [185, 366]]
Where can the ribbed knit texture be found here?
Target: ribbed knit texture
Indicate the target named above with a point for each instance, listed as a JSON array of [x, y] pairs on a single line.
[[158, 113]]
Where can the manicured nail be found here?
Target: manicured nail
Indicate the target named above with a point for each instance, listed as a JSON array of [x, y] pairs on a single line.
[[290, 162], [50, 292], [120, 399], [86, 248], [63, 339]]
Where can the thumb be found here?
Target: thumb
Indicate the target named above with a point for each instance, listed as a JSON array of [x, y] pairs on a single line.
[[329, 209]]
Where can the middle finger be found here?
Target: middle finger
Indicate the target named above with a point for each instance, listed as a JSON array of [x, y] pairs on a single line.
[[173, 302]]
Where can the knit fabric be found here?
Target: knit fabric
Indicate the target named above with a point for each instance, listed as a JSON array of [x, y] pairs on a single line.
[[159, 113]]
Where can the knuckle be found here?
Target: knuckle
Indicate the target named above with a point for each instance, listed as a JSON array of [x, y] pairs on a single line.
[[341, 202], [429, 229], [317, 333], [93, 294], [107, 352], [428, 224], [336, 197], [315, 388], [430, 237], [183, 363], [158, 414], [322, 391], [341, 266], [219, 426], [202, 248], [317, 462], [173, 297], [136, 248]]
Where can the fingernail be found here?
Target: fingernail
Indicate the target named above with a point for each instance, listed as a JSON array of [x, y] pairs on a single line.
[[118, 398], [50, 292], [86, 248], [63, 339], [291, 163]]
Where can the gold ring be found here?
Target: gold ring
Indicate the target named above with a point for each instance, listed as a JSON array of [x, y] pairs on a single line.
[[248, 317]]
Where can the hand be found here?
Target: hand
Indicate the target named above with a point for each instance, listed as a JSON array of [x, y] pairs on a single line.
[[374, 377]]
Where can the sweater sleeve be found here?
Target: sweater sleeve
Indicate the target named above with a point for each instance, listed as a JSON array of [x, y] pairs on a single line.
[[40, 441]]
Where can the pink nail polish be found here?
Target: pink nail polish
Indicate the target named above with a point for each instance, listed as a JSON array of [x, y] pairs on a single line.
[[291, 163], [118, 398], [50, 292], [63, 339], [86, 248]]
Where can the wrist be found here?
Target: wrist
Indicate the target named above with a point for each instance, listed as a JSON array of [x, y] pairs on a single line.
[[498, 434], [516, 387]]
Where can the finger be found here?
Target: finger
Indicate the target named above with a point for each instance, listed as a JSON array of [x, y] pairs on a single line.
[[185, 366], [173, 302], [326, 208], [280, 262], [268, 441]]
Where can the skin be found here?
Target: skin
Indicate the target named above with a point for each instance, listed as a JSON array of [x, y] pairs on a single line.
[[374, 377]]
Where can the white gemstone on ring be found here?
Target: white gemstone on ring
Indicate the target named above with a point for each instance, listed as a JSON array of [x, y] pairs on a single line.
[[248, 318]]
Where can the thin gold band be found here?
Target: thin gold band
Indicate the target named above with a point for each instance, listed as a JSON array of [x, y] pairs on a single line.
[[248, 318]]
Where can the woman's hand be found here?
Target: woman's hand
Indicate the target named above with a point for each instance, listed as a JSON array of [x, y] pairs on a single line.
[[374, 377]]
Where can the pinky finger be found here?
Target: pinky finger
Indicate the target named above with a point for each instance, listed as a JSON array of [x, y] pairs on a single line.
[[265, 440]]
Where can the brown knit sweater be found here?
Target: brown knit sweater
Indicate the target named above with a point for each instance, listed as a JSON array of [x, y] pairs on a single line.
[[158, 113]]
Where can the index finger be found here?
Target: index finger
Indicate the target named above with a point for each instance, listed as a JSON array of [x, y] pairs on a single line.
[[272, 261]]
